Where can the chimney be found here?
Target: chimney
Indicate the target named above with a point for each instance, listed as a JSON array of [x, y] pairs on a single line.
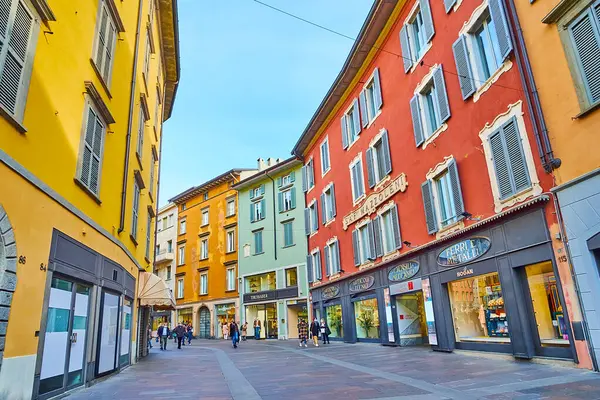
[[261, 164], [270, 161]]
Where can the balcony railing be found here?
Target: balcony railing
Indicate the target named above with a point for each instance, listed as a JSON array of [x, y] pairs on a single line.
[[164, 256]]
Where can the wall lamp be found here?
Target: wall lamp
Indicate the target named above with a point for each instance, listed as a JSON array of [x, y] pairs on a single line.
[[409, 244], [469, 217]]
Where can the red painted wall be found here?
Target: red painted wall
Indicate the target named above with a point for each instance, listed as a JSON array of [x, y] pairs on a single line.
[[460, 139]]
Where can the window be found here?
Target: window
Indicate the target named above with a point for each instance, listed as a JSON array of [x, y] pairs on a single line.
[[261, 283], [157, 249], [370, 99], [230, 241], [141, 128], [363, 245], [147, 58], [205, 217], [171, 216], [325, 165], [204, 283], [135, 210], [386, 232], [379, 162], [291, 277], [357, 180], [169, 246], [204, 249], [92, 149], [287, 200], [183, 206], [308, 176], [230, 277], [17, 42], [152, 165], [327, 204], [416, 34], [258, 242], [230, 207], [181, 255], [168, 273], [313, 266], [106, 35], [182, 226], [442, 198], [366, 319], [257, 211], [162, 224], [157, 108], [350, 125], [429, 107], [180, 288], [332, 258], [311, 222], [205, 196], [286, 180], [148, 232], [482, 50], [288, 234], [257, 192]]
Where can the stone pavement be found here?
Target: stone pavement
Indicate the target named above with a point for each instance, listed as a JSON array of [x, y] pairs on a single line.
[[270, 370]]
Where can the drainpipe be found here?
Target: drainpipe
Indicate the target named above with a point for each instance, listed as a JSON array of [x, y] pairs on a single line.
[[130, 121], [274, 215], [540, 129], [158, 180]]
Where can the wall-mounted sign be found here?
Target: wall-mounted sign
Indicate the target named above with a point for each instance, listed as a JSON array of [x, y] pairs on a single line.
[[361, 284], [224, 308], [375, 200], [260, 296], [464, 272], [464, 252], [406, 286], [403, 271], [330, 292]]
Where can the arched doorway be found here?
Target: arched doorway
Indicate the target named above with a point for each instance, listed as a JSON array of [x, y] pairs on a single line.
[[8, 268], [204, 332]]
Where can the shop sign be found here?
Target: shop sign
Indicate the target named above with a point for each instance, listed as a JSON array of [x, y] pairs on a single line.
[[361, 284], [406, 287], [224, 308], [403, 271], [464, 252], [330, 292], [375, 200], [464, 272], [260, 296]]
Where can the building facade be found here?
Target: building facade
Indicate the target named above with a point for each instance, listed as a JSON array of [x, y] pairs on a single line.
[[424, 179], [272, 249], [566, 35], [206, 288], [78, 198], [164, 257]]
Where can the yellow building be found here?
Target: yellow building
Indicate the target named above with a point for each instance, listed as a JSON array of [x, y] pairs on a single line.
[[562, 39], [207, 254], [84, 88]]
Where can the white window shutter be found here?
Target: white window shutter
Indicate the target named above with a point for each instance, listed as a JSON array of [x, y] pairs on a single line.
[[405, 47], [356, 117], [363, 108], [377, 97], [427, 19], [441, 94], [502, 28], [415, 111]]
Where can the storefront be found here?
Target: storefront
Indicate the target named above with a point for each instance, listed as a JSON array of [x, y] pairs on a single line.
[[225, 313], [263, 306], [185, 315]]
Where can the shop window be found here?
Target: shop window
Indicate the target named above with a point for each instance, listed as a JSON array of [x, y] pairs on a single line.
[[291, 277], [261, 283], [478, 309], [335, 321], [366, 315]]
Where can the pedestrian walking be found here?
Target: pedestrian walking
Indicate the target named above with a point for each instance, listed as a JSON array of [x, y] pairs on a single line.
[[325, 331], [244, 331], [225, 330], [315, 328], [190, 333], [235, 333], [180, 332], [174, 334], [302, 333], [149, 337], [257, 328], [163, 333]]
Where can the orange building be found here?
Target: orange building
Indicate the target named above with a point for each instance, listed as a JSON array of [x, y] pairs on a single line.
[[206, 274]]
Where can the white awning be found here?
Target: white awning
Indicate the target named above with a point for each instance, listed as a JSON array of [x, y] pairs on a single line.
[[153, 291]]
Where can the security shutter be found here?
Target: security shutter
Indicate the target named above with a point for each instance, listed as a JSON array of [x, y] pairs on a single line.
[[356, 117], [370, 167], [318, 271], [92, 152], [371, 245], [363, 108], [323, 209], [405, 46], [459, 207], [344, 132], [463, 67], [356, 247], [377, 98], [502, 29], [585, 33], [387, 158], [415, 111], [448, 4], [135, 211], [427, 19], [396, 227], [441, 94], [430, 219], [309, 268], [377, 234]]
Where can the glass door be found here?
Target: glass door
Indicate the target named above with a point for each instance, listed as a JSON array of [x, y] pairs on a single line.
[[412, 325], [107, 343], [125, 333]]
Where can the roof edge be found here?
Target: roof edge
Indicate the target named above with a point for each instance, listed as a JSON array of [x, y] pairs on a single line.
[[200, 188], [283, 165]]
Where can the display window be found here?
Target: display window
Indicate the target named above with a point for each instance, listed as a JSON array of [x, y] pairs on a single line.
[[335, 320], [478, 309], [261, 283], [366, 316], [547, 307], [184, 316], [267, 315]]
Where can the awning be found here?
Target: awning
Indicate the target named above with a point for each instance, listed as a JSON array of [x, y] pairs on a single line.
[[153, 291]]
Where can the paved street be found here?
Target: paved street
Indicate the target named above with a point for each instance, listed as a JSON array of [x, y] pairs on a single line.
[[212, 370]]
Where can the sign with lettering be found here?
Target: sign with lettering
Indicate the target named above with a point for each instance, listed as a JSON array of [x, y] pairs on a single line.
[[330, 292], [464, 272], [260, 296], [224, 308], [370, 205], [403, 271], [361, 284], [464, 252]]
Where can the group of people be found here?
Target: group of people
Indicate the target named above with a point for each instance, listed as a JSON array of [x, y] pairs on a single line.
[[226, 330], [315, 330], [180, 333]]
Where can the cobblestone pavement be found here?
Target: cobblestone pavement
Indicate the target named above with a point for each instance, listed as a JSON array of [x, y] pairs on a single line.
[[270, 370]]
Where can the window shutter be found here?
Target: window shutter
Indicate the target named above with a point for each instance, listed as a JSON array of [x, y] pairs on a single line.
[[377, 98], [304, 179], [280, 201], [326, 253], [500, 160], [293, 195], [449, 4], [333, 211], [251, 194], [518, 165], [363, 108], [427, 19], [441, 94], [318, 272], [311, 174], [356, 117], [309, 269], [140, 142], [262, 190], [316, 216], [430, 218], [263, 208], [252, 218], [323, 213], [463, 67], [354, 180], [134, 214], [359, 176], [396, 227], [405, 46], [377, 234], [371, 245], [279, 182], [370, 167], [459, 207], [502, 29], [415, 111], [260, 243], [587, 46], [344, 132], [356, 247], [387, 158], [336, 255], [307, 221], [152, 163], [293, 176], [11, 81]]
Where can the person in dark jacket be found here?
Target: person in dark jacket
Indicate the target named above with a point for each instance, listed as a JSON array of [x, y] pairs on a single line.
[[234, 332], [302, 333], [163, 333], [180, 332], [315, 328], [325, 331]]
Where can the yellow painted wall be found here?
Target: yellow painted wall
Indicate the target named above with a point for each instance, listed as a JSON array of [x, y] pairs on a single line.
[[571, 139]]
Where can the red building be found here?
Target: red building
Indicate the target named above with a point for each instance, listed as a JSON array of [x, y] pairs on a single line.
[[425, 173]]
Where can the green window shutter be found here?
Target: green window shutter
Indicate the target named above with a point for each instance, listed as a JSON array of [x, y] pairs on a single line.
[[262, 189], [293, 176], [279, 182], [585, 34], [252, 212], [430, 218], [463, 67], [263, 208], [293, 193], [280, 201]]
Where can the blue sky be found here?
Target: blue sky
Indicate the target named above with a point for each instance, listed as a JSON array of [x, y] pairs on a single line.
[[251, 79]]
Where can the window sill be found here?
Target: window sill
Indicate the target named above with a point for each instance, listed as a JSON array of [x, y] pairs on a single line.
[[181, 265], [227, 216], [203, 259], [133, 240], [507, 65], [425, 51], [258, 254], [203, 294], [352, 143], [288, 246], [150, 195], [313, 233], [449, 229], [379, 185], [230, 290], [257, 198], [534, 190], [358, 200], [139, 160], [587, 110], [286, 186], [309, 189], [230, 252], [147, 260], [11, 120], [377, 114], [155, 133], [100, 78], [366, 265], [327, 223], [434, 135], [203, 226], [87, 191], [335, 276], [390, 256], [323, 173], [258, 220]]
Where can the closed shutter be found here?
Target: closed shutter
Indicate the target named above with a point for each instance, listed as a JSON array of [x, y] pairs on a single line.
[[151, 188], [387, 158], [356, 117], [280, 201], [459, 207], [101, 50], [293, 194], [318, 271], [333, 210], [309, 269], [262, 190], [377, 97], [405, 46], [377, 236], [415, 111], [371, 245], [148, 227], [259, 244], [326, 253], [92, 152], [354, 180], [304, 180], [356, 247], [311, 174], [279, 181], [514, 148], [336, 255], [363, 108], [463, 67], [448, 4], [441, 94], [500, 160], [109, 51], [586, 38], [293, 176], [135, 211], [140, 142], [263, 208], [502, 29], [396, 227], [323, 209], [360, 179], [427, 19], [344, 132], [315, 216], [252, 213], [307, 221], [430, 218], [370, 167]]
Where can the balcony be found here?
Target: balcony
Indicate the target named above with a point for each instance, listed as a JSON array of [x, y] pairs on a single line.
[[164, 257]]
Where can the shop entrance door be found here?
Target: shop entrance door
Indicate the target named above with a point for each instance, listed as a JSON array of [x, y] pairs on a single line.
[[204, 323], [271, 321], [64, 340], [412, 325]]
